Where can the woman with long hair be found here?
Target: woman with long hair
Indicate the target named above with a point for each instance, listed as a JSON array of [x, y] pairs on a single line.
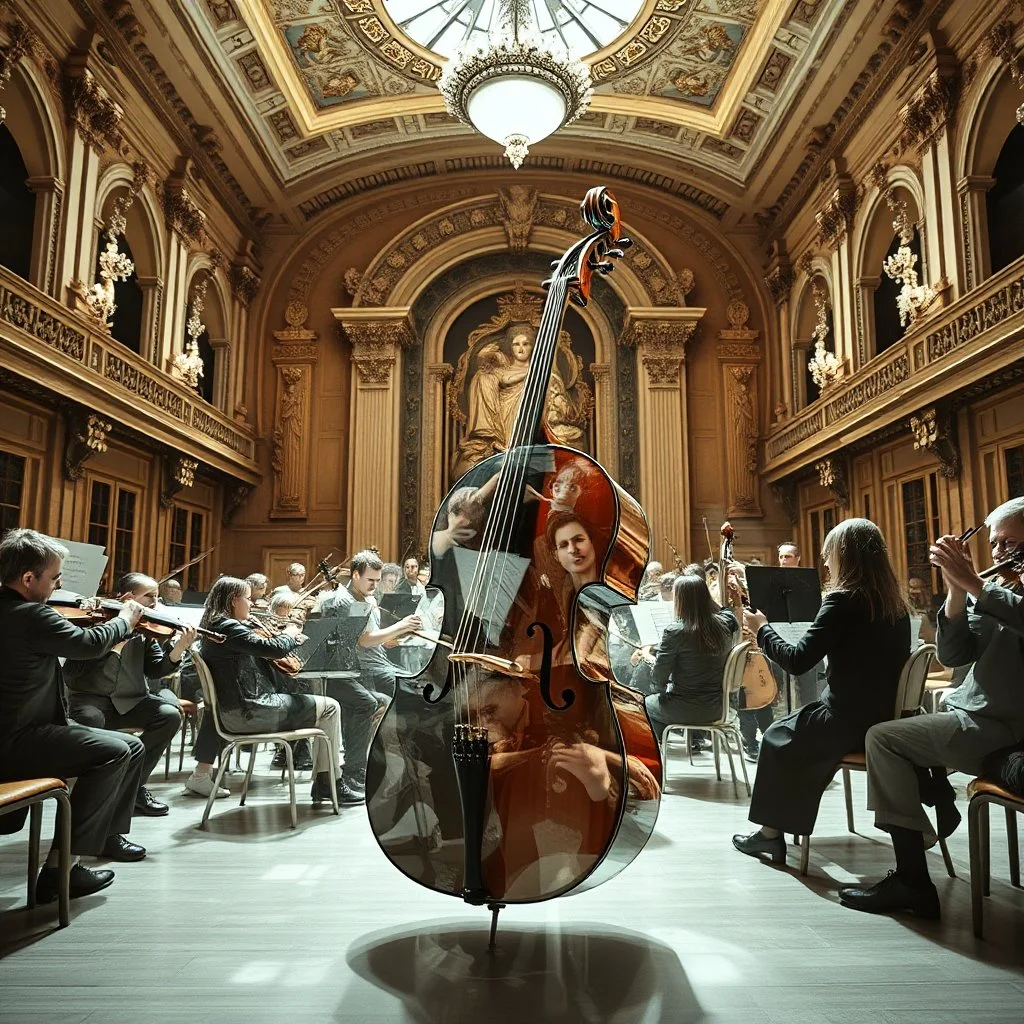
[[863, 627], [247, 700], [690, 659]]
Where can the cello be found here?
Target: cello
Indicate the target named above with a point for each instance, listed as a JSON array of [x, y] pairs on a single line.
[[514, 769]]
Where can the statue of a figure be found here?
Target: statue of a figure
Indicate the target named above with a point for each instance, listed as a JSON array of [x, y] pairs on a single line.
[[743, 463], [288, 438]]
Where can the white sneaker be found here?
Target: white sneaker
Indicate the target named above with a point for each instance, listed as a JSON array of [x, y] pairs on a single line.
[[201, 785]]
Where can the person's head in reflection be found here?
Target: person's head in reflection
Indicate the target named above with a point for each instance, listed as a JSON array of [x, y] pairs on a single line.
[[170, 593], [653, 572], [920, 594], [498, 704], [424, 573], [466, 513], [568, 485], [389, 577], [665, 585], [411, 570], [789, 555], [573, 542]]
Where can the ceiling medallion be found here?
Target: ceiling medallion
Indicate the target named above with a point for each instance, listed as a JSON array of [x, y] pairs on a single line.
[[518, 89]]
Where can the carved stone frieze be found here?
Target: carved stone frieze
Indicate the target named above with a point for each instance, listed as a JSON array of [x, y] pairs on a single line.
[[836, 216], [179, 473], [87, 435], [245, 283], [662, 346], [779, 281], [833, 477], [290, 446], [935, 431], [375, 346], [929, 110], [992, 310], [93, 114], [20, 43]]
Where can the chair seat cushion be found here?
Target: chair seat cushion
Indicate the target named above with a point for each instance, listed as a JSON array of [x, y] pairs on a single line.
[[858, 762], [983, 787], [24, 789]]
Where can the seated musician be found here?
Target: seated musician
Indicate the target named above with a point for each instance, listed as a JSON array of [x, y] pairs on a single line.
[[294, 583], [410, 581], [282, 607], [981, 622], [37, 740], [258, 584], [649, 584], [362, 698], [169, 593], [247, 702], [111, 691], [863, 627], [690, 659]]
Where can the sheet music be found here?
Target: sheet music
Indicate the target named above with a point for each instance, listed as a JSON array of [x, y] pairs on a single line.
[[502, 577], [915, 632], [651, 618], [791, 632]]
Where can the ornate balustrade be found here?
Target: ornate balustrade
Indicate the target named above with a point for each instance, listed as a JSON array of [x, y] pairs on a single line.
[[55, 349], [976, 337]]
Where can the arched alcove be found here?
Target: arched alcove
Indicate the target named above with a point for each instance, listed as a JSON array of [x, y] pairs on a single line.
[[213, 343], [126, 323], [1005, 203], [17, 207], [805, 319]]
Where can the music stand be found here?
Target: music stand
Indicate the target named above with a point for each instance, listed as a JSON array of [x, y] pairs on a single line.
[[330, 647], [400, 603], [784, 594]]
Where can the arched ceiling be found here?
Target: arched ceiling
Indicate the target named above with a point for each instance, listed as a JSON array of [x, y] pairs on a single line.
[[305, 102]]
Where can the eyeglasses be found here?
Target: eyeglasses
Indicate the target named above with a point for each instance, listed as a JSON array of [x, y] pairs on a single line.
[[1007, 547]]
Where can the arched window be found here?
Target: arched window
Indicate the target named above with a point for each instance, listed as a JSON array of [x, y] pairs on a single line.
[[206, 353], [17, 207], [804, 341], [888, 329], [126, 326], [1006, 203]]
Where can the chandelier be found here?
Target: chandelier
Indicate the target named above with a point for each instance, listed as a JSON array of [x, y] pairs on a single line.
[[825, 366], [188, 365], [519, 88]]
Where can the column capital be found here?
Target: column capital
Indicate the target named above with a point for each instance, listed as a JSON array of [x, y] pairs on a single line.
[[377, 335], [660, 336], [295, 343]]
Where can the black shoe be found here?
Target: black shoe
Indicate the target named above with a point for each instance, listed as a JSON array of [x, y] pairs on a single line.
[[84, 882], [302, 756], [892, 894], [321, 792], [356, 780], [119, 848], [280, 761], [751, 753], [757, 843], [146, 803]]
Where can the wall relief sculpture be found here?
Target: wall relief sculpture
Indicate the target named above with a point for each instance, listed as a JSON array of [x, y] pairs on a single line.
[[484, 395]]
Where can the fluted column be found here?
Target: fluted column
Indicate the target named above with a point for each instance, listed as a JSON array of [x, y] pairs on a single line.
[[660, 337], [378, 336], [974, 225], [294, 357], [605, 448], [434, 428], [49, 193], [152, 308], [739, 357], [779, 279]]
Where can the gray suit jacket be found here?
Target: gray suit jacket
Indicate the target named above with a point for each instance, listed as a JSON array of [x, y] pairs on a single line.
[[121, 676], [991, 635]]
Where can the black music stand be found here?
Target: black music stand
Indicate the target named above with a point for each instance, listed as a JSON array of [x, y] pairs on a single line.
[[400, 603], [330, 646]]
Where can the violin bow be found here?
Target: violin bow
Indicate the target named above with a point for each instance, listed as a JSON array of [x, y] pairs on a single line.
[[188, 565], [707, 533]]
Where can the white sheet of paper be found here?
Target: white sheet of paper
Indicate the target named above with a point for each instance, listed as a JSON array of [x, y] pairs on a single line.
[[791, 632], [502, 577], [83, 569], [651, 618]]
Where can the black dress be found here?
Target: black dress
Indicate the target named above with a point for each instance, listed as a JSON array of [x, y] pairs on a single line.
[[801, 752]]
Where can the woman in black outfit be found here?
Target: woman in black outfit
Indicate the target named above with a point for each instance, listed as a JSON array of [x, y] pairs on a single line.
[[863, 626], [247, 700], [690, 658]]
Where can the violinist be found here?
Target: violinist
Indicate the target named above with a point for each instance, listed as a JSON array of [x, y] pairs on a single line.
[[981, 624], [37, 739], [649, 584], [112, 692], [169, 593], [863, 626], [247, 701], [258, 584]]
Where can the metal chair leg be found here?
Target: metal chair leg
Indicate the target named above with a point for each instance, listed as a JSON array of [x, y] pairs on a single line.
[[743, 761], [64, 848], [291, 783], [805, 854], [1011, 842], [974, 827], [732, 767], [848, 791], [248, 772], [225, 760], [331, 775], [718, 754], [35, 817]]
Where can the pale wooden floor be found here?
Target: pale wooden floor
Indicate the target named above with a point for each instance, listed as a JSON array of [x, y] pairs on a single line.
[[253, 922]]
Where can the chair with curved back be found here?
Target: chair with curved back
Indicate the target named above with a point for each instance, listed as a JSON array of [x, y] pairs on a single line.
[[726, 727], [981, 794], [909, 694], [234, 741]]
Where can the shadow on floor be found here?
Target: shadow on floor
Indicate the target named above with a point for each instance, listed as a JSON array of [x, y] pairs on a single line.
[[441, 971]]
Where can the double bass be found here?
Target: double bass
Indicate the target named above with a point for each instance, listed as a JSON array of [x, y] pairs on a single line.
[[514, 769]]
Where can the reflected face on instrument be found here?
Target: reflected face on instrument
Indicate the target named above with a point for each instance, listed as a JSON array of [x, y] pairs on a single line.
[[242, 605], [575, 550], [146, 593], [565, 490], [411, 569], [388, 582], [41, 587], [365, 583], [497, 705], [522, 346], [789, 557], [424, 573]]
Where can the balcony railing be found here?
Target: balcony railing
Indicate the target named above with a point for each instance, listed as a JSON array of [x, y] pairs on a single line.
[[50, 345], [975, 337]]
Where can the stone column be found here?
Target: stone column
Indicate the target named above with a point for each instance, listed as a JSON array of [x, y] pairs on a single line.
[[49, 193], [739, 358], [152, 309], [378, 336], [606, 451], [435, 425], [185, 226], [659, 337], [245, 285], [779, 279], [221, 372], [294, 358], [974, 225], [867, 341]]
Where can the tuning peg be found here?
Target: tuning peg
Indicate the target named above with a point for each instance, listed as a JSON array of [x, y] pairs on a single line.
[[624, 243], [615, 254]]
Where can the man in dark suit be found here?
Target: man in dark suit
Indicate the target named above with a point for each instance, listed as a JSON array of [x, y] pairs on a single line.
[[112, 692], [36, 738]]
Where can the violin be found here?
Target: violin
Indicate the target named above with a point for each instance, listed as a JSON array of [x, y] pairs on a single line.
[[758, 681], [269, 625], [154, 623], [505, 776]]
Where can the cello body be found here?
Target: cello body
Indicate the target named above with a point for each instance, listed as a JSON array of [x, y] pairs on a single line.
[[574, 778]]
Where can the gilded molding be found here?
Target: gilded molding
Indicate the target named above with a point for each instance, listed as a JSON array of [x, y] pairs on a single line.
[[20, 43], [779, 282], [930, 110], [836, 216], [179, 473], [245, 283], [935, 431], [832, 476], [182, 213], [91, 111]]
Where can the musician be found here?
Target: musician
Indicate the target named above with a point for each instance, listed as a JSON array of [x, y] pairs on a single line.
[[363, 698], [37, 740], [981, 623], [410, 581], [258, 584], [863, 627], [690, 659], [112, 692], [296, 580], [806, 682], [649, 584], [390, 574], [247, 703], [169, 593], [789, 555]]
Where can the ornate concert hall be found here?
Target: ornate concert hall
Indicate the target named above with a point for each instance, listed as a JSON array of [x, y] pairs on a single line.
[[336, 286]]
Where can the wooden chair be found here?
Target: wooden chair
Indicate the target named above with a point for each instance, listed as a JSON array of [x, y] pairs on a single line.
[[234, 741], [909, 692], [31, 793], [981, 793], [191, 715], [726, 727]]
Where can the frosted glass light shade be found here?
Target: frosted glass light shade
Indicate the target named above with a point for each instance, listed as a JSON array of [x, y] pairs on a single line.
[[516, 106]]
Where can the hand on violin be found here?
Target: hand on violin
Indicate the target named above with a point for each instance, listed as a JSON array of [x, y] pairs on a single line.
[[132, 612], [186, 638], [410, 624], [753, 621], [587, 763], [954, 559]]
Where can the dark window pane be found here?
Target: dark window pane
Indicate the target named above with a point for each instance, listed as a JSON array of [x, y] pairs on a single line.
[[12, 481], [124, 534], [17, 207], [1005, 202], [916, 529], [99, 513], [195, 548], [1015, 472]]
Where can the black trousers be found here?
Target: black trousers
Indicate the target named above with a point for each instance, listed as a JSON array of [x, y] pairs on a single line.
[[358, 707], [107, 765], [799, 756], [751, 721], [157, 716]]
